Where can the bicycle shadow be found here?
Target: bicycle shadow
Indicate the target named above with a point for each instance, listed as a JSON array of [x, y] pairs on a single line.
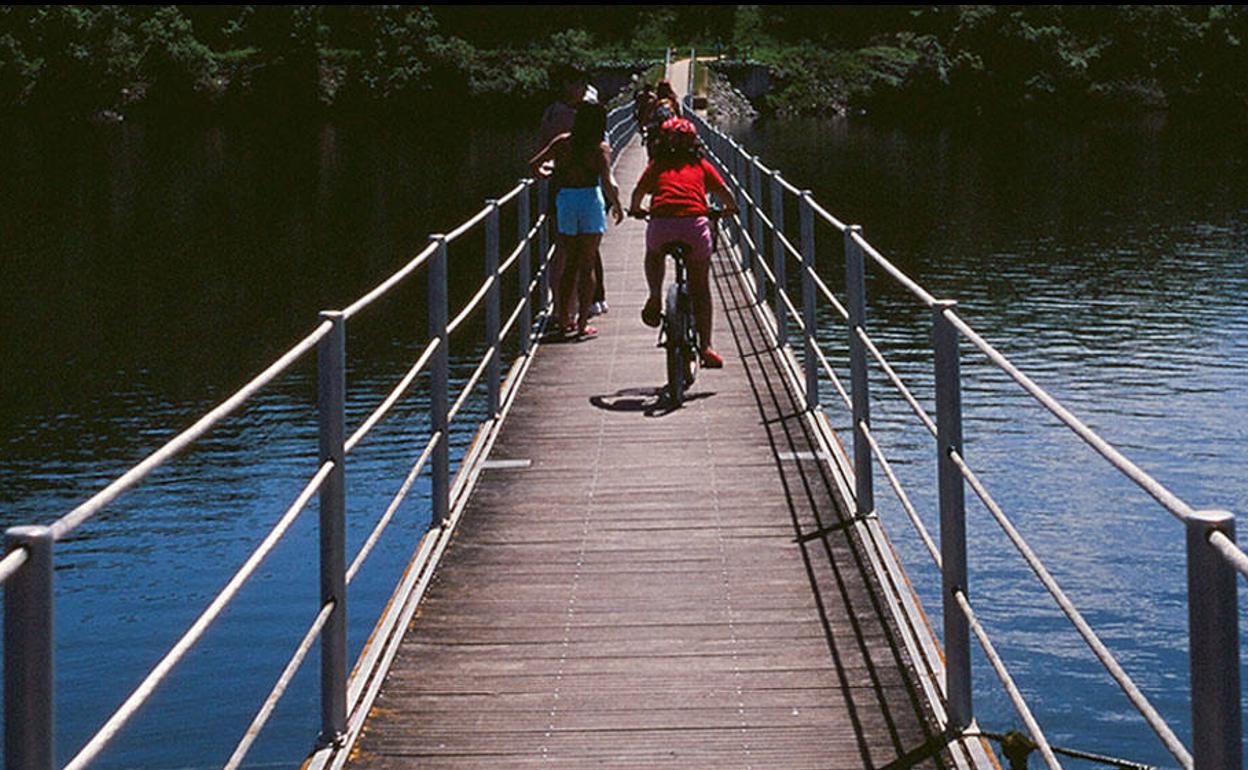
[[649, 402]]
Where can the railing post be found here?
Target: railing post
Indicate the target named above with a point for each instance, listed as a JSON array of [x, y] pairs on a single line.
[[952, 517], [743, 192], [860, 396], [493, 370], [28, 651], [439, 375], [1213, 623], [524, 267], [543, 242], [778, 260], [811, 362], [693, 61], [756, 193], [331, 406]]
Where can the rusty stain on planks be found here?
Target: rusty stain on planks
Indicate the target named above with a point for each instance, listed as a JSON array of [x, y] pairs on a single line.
[[634, 590]]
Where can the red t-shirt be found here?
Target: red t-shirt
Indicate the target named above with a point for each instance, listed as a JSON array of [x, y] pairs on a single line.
[[679, 191]]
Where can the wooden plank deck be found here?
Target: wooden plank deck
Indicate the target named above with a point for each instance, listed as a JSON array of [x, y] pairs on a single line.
[[638, 593]]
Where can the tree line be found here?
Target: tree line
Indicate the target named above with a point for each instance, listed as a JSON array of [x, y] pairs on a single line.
[[86, 60], [901, 60], [977, 59]]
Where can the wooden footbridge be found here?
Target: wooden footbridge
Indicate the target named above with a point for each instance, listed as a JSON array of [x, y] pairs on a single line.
[[609, 582]]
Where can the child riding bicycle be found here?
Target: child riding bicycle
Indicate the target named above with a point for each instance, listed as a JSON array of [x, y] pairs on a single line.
[[677, 180]]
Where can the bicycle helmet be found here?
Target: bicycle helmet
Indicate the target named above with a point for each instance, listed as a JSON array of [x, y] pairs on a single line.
[[679, 135]]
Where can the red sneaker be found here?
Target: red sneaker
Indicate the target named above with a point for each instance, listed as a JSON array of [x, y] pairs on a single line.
[[711, 359]]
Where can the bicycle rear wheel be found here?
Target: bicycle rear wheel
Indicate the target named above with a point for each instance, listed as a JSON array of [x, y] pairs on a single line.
[[677, 332]]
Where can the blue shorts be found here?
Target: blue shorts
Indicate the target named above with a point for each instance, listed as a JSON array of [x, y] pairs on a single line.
[[581, 211]]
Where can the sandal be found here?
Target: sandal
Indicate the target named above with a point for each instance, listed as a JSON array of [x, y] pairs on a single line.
[[589, 332], [712, 360], [651, 314]]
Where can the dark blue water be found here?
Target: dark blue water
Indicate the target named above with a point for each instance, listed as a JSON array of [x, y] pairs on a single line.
[[1111, 264], [148, 272]]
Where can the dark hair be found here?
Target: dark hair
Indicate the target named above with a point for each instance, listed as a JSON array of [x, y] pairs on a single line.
[[588, 126]]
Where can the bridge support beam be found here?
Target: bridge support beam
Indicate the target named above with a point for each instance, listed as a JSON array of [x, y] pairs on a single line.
[[693, 63], [543, 243], [957, 636], [439, 376], [524, 266], [331, 405], [811, 362], [1213, 622], [860, 396], [493, 370], [737, 162], [756, 231], [28, 651], [779, 259]]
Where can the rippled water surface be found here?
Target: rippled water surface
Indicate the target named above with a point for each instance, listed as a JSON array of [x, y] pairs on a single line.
[[147, 273], [1111, 264]]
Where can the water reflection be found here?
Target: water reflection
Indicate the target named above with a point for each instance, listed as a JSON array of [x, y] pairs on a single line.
[[1109, 263], [149, 272]]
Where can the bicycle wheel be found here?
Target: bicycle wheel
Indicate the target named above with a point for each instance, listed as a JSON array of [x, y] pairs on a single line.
[[676, 333]]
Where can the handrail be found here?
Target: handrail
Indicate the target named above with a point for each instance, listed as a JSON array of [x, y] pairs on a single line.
[[1160, 493], [1219, 622], [279, 688], [895, 379], [827, 293], [394, 396], [31, 545], [1233, 554], [513, 193], [385, 286], [12, 562], [911, 512], [1007, 681], [472, 383], [145, 689], [924, 296], [472, 222], [395, 502], [1102, 653], [473, 304], [72, 520]]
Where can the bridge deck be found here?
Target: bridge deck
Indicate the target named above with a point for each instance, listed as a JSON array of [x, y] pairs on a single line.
[[638, 595]]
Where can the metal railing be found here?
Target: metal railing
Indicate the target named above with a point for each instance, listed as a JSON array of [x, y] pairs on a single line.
[[26, 570], [766, 252]]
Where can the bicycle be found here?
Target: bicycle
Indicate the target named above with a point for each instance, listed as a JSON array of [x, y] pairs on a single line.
[[678, 330]]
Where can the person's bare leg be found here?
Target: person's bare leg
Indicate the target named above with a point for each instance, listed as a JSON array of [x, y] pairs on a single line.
[[567, 288], [656, 265], [600, 288], [557, 261], [700, 289], [585, 268]]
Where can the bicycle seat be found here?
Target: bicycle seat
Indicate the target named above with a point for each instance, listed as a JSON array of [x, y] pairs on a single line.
[[678, 249]]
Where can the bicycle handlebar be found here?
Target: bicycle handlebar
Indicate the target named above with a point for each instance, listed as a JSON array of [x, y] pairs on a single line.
[[646, 215]]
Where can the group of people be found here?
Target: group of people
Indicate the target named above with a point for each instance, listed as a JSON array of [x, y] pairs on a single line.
[[575, 154]]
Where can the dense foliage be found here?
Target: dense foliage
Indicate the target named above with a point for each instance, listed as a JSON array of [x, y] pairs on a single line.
[[903, 60], [85, 60], [972, 59]]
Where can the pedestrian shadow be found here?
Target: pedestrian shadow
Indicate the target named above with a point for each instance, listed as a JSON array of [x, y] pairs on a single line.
[[649, 402]]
